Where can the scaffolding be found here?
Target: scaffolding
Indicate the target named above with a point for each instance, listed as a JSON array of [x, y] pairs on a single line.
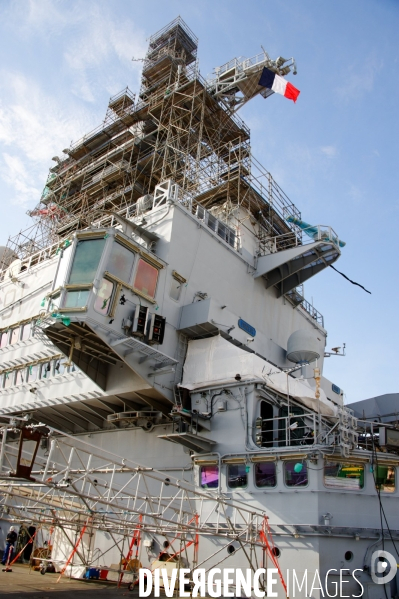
[[178, 127], [78, 489]]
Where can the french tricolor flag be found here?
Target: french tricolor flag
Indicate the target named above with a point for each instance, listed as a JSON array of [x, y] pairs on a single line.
[[278, 84]]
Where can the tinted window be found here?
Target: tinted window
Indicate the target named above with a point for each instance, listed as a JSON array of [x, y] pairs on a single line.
[[265, 474], [295, 473], [121, 262], [146, 278], [237, 476], [85, 263], [209, 477], [385, 478], [343, 476]]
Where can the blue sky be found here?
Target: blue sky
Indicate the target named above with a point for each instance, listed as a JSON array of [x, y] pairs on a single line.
[[335, 153]]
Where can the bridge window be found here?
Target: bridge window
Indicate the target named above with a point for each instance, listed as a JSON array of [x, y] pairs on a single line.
[[86, 260], [8, 379], [20, 376], [76, 299], [32, 372], [121, 262], [146, 278], [385, 478], [209, 477], [295, 473], [14, 337], [237, 476], [46, 371], [26, 331], [265, 474], [104, 295], [338, 475], [59, 367], [4, 339], [175, 289]]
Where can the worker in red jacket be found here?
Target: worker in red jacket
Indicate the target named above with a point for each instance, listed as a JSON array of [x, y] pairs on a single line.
[[10, 542]]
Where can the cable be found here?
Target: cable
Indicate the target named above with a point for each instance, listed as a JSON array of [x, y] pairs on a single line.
[[380, 504], [382, 511], [348, 279], [379, 498]]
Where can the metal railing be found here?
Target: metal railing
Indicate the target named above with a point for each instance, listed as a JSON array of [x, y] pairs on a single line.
[[288, 431], [241, 63], [313, 313]]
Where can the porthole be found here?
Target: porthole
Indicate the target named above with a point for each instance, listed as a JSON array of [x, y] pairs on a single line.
[[348, 556], [230, 549], [276, 552], [165, 544]]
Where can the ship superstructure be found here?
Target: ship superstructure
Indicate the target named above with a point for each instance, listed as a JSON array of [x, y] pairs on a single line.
[[158, 355]]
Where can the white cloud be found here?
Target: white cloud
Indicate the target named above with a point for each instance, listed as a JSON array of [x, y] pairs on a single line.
[[14, 173], [355, 193], [329, 151], [36, 126], [94, 57], [102, 53], [35, 122], [358, 79], [96, 46]]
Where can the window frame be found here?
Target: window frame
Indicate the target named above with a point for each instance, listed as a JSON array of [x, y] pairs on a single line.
[[111, 298], [175, 284], [11, 377], [55, 371], [135, 256], [44, 365], [29, 373], [343, 488], [5, 332], [144, 259], [24, 372], [82, 239], [275, 475], [12, 329], [395, 487], [29, 324], [304, 461], [216, 466], [228, 475]]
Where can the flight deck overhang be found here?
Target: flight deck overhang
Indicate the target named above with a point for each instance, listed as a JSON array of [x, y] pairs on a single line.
[[289, 268]]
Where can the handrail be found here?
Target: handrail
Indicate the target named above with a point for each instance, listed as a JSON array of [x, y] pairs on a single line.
[[309, 436]]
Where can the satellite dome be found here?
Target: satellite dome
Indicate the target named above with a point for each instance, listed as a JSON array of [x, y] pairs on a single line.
[[304, 346]]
